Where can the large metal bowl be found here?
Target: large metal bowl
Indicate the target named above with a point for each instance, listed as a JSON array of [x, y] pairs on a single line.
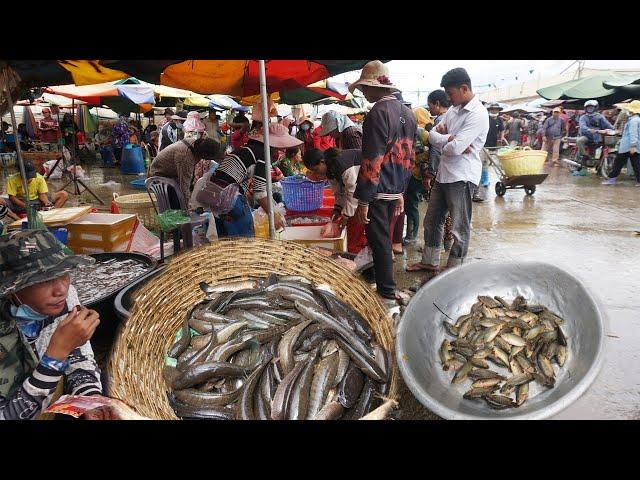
[[421, 332]]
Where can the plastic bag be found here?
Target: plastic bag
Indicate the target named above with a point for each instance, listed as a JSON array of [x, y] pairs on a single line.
[[79, 171], [34, 217], [260, 223], [78, 405], [212, 231], [219, 199], [198, 187], [172, 219], [57, 173]]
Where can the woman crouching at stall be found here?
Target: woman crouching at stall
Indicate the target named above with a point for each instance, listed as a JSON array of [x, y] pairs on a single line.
[[178, 162], [341, 168], [226, 192], [44, 332]]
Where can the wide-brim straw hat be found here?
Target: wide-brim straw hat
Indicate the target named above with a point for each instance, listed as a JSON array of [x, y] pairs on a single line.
[[256, 110], [305, 119], [278, 137], [374, 74], [178, 117], [632, 107]]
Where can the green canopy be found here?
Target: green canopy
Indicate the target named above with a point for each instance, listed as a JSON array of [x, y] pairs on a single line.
[[608, 88], [622, 81]]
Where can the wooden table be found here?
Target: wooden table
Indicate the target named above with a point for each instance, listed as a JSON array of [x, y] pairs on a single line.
[[57, 217]]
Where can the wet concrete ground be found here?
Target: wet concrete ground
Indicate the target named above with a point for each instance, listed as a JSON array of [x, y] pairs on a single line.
[[572, 222]]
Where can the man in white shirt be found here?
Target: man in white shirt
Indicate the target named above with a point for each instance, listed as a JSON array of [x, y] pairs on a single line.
[[460, 136]]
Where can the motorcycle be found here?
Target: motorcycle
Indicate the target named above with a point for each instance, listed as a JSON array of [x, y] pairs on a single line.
[[600, 156]]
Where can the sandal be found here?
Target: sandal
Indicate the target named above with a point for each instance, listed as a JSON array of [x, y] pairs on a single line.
[[421, 267]]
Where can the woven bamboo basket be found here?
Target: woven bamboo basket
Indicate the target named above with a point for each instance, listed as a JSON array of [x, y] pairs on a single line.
[[522, 161], [140, 347], [139, 204]]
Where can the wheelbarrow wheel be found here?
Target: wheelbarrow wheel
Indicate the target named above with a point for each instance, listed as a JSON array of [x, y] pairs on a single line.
[[530, 189], [500, 189]]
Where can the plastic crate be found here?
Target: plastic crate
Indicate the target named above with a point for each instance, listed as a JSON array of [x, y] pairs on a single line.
[[302, 195], [328, 199], [101, 232], [310, 237], [321, 212]]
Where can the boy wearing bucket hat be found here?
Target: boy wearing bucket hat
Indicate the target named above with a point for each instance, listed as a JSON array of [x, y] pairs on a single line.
[[44, 332], [233, 212], [388, 156], [629, 145]]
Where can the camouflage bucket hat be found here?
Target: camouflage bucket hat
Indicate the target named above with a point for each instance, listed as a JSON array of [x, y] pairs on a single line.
[[29, 257]]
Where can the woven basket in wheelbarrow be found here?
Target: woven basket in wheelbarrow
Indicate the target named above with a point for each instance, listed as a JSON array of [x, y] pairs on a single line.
[[139, 351], [522, 161]]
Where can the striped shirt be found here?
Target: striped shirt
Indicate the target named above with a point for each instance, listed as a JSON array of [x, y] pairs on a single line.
[[243, 164], [28, 396]]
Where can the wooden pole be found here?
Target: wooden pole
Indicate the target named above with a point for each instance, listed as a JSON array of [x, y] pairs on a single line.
[[14, 123]]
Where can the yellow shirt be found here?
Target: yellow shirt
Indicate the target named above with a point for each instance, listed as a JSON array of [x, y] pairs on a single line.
[[37, 186]]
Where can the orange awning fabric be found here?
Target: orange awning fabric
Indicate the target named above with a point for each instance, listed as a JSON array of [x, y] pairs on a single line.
[[236, 78], [240, 78], [90, 94]]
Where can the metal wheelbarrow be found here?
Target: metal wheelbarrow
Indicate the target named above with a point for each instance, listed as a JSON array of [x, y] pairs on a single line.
[[526, 182]]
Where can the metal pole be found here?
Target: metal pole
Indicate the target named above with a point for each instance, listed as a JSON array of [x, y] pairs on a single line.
[[267, 150], [25, 183]]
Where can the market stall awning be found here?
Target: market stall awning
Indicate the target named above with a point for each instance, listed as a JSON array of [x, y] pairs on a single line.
[[120, 98], [622, 81], [592, 87], [522, 108], [324, 89], [239, 78]]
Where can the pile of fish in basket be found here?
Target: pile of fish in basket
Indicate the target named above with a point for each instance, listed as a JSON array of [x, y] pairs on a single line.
[[279, 348]]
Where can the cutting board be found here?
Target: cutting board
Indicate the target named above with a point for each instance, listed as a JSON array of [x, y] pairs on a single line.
[[57, 217]]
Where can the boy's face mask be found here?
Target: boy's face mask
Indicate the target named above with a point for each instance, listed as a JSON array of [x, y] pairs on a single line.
[[304, 127], [26, 313]]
